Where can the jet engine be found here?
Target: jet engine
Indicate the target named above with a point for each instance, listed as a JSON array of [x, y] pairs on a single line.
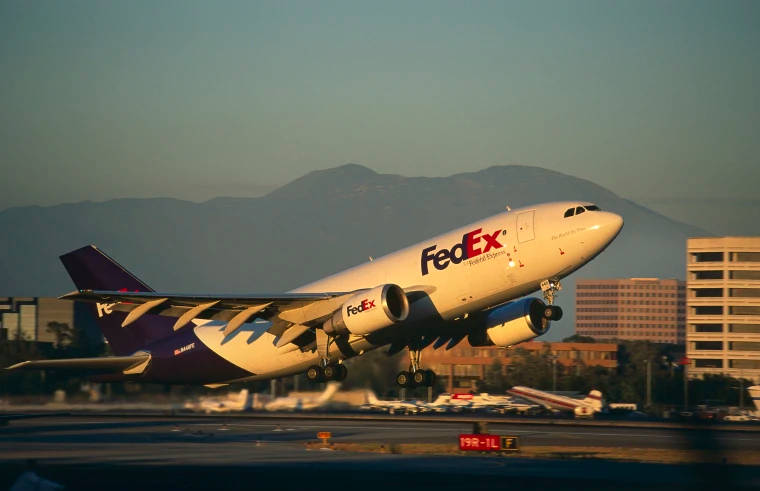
[[515, 322], [369, 310]]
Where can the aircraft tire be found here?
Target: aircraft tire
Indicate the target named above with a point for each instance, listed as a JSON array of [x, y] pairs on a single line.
[[556, 313], [429, 378], [404, 379], [331, 372], [342, 372], [315, 373], [419, 377]]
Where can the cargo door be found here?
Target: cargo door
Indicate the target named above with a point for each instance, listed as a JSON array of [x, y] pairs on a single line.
[[525, 231]]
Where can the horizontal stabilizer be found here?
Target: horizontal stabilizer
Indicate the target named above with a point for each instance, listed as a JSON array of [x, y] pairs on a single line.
[[103, 364]]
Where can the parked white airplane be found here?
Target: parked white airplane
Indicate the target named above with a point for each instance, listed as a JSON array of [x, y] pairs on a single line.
[[477, 402], [502, 404], [441, 404], [465, 283], [304, 402], [240, 401], [586, 407], [389, 406]]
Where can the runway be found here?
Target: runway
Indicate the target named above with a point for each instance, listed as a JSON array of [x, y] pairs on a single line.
[[165, 452]]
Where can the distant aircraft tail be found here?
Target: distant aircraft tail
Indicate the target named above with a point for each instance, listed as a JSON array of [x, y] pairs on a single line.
[[91, 269], [370, 396], [595, 400], [244, 400]]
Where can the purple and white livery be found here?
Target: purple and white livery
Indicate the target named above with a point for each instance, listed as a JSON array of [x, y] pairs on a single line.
[[465, 283]]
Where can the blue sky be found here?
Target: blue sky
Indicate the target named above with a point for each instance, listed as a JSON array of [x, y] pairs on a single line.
[[657, 101]]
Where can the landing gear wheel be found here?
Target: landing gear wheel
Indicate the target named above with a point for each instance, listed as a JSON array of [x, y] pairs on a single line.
[[315, 373], [556, 313], [331, 372], [334, 372], [404, 379], [429, 378], [419, 377]]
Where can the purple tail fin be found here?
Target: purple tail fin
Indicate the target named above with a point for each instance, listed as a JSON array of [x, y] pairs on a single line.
[[91, 269]]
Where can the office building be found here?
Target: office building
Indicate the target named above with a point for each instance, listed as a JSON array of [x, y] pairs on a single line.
[[632, 309], [723, 306]]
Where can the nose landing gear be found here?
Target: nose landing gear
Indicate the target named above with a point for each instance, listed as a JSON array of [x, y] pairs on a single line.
[[550, 288]]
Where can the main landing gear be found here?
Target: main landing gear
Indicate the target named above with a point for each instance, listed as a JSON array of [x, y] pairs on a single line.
[[331, 371], [325, 370], [415, 376]]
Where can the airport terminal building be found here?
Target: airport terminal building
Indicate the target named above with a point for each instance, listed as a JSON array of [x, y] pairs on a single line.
[[723, 306], [632, 309]]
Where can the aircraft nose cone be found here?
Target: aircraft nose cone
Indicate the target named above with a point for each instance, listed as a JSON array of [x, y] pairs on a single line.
[[613, 223], [616, 222]]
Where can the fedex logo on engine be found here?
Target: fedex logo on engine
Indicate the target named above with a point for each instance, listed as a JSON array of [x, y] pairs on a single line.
[[467, 249], [365, 304]]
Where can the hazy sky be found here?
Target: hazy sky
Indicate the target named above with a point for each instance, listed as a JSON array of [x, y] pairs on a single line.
[[655, 100]]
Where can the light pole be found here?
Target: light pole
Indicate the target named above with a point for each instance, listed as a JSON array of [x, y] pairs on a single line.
[[553, 358], [649, 383], [685, 365]]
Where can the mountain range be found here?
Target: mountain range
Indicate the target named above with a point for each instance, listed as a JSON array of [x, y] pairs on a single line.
[[318, 224]]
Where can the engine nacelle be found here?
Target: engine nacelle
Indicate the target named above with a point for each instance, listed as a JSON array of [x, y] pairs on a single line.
[[369, 311], [515, 322]]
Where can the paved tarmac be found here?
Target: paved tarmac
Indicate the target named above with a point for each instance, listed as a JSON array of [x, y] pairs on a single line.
[[198, 453]]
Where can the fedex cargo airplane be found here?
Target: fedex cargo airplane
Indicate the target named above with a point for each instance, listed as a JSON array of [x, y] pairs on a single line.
[[465, 283]]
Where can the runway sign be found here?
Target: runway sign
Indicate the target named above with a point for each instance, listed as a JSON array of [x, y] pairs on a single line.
[[510, 443], [488, 443]]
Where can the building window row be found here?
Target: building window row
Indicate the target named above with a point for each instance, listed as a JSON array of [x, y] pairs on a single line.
[[732, 328], [732, 310], [718, 292], [732, 275], [625, 294], [717, 257], [582, 286], [718, 363]]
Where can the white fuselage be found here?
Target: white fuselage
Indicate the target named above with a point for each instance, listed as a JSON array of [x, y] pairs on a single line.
[[523, 247], [556, 401]]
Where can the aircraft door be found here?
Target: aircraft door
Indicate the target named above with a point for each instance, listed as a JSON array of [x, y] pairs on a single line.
[[525, 231]]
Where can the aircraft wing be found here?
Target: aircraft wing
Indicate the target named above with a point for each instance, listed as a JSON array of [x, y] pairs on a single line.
[[295, 311], [125, 364], [283, 309]]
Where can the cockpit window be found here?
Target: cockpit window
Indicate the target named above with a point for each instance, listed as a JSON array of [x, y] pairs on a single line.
[[592, 208], [569, 212], [579, 210]]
